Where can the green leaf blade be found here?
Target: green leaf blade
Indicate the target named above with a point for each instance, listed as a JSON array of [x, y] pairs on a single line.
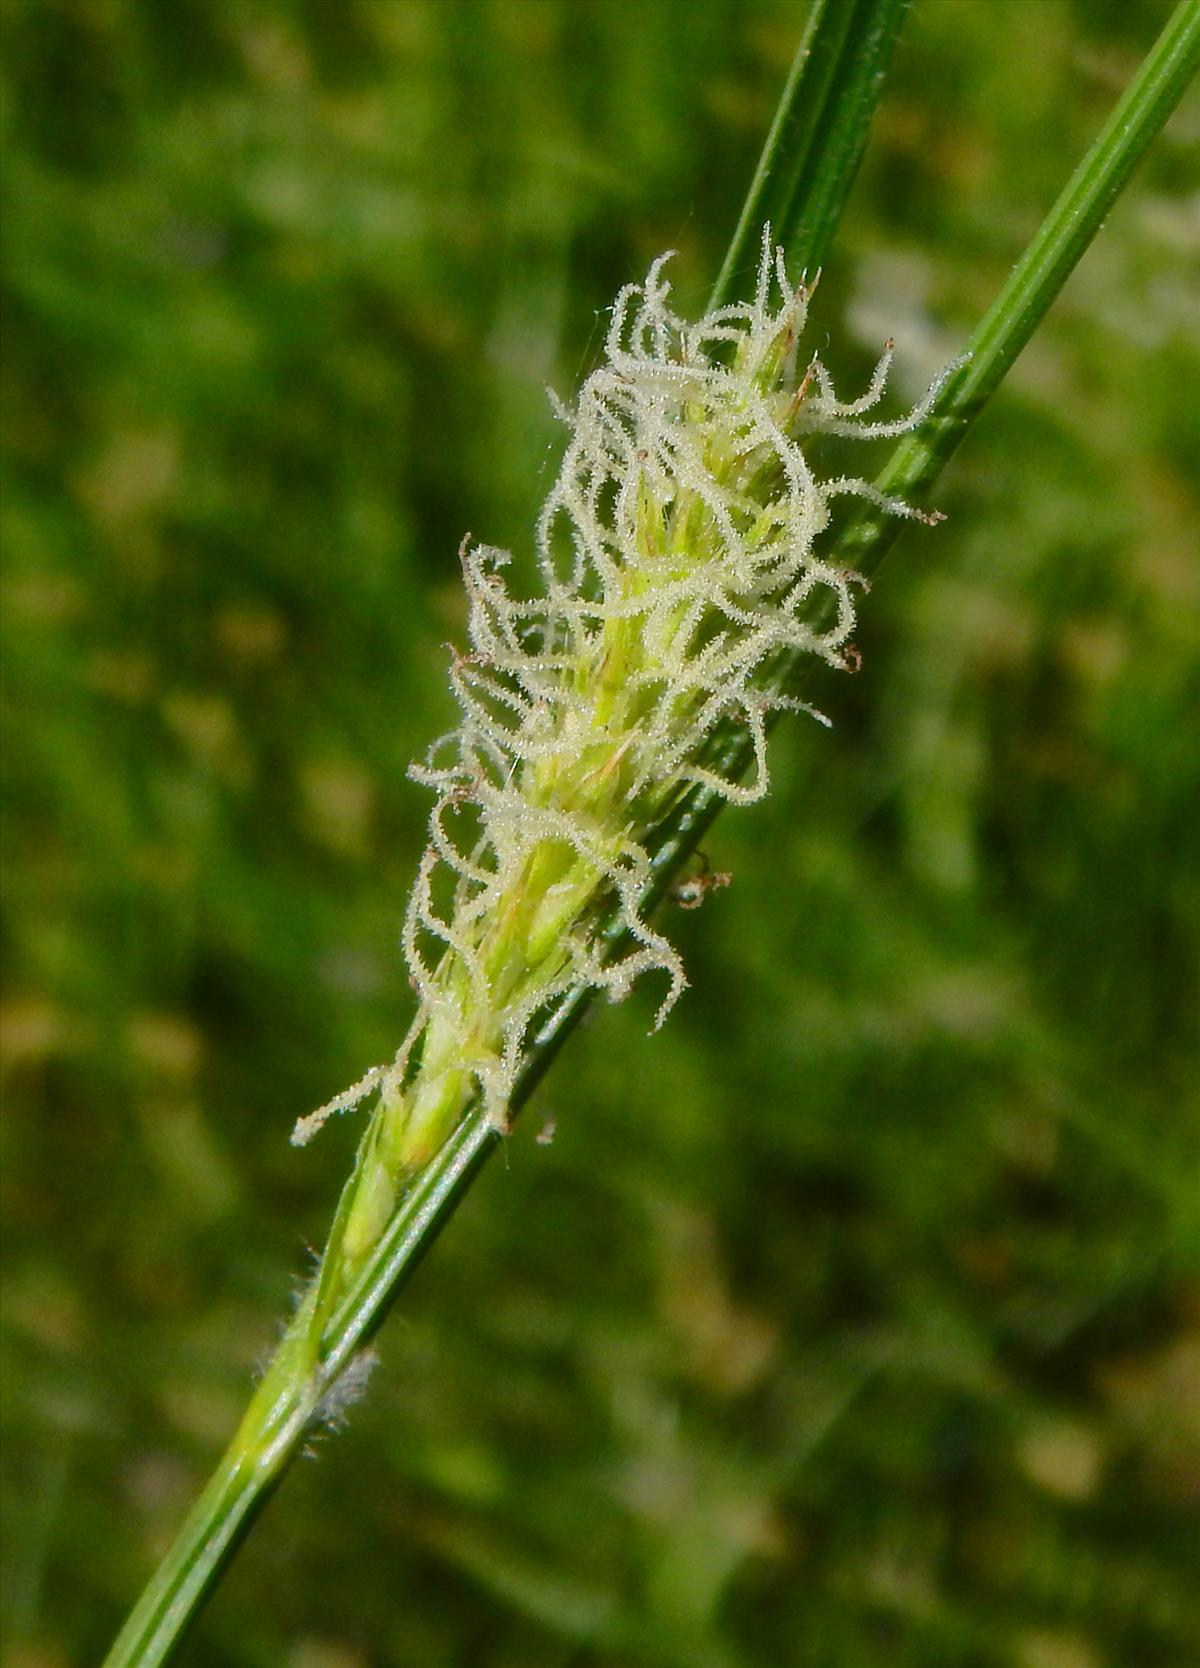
[[812, 153]]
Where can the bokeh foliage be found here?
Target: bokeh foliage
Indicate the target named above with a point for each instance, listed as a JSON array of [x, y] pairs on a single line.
[[854, 1319]]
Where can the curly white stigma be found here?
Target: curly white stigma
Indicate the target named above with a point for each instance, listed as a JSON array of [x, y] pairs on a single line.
[[678, 572]]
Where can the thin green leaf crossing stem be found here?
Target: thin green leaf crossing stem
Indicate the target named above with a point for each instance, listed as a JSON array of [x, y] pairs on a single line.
[[1034, 283], [327, 1335]]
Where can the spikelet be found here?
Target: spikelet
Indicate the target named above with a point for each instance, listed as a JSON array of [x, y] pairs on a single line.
[[678, 571]]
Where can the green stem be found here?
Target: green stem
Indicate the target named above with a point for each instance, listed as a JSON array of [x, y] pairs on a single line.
[[280, 1412], [288, 1402], [324, 1339], [816, 141]]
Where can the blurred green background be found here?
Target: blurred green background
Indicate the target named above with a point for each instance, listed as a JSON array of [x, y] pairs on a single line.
[[853, 1320]]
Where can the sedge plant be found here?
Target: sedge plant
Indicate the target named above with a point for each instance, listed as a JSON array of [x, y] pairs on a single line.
[[693, 566]]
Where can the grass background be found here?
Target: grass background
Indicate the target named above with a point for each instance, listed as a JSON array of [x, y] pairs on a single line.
[[853, 1320]]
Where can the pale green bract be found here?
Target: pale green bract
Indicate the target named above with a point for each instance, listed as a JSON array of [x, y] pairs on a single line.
[[678, 571]]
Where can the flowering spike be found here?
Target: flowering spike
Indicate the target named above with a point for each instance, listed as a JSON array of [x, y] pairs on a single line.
[[678, 564]]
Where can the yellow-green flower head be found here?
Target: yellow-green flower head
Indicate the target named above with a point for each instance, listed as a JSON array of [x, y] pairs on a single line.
[[678, 570]]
